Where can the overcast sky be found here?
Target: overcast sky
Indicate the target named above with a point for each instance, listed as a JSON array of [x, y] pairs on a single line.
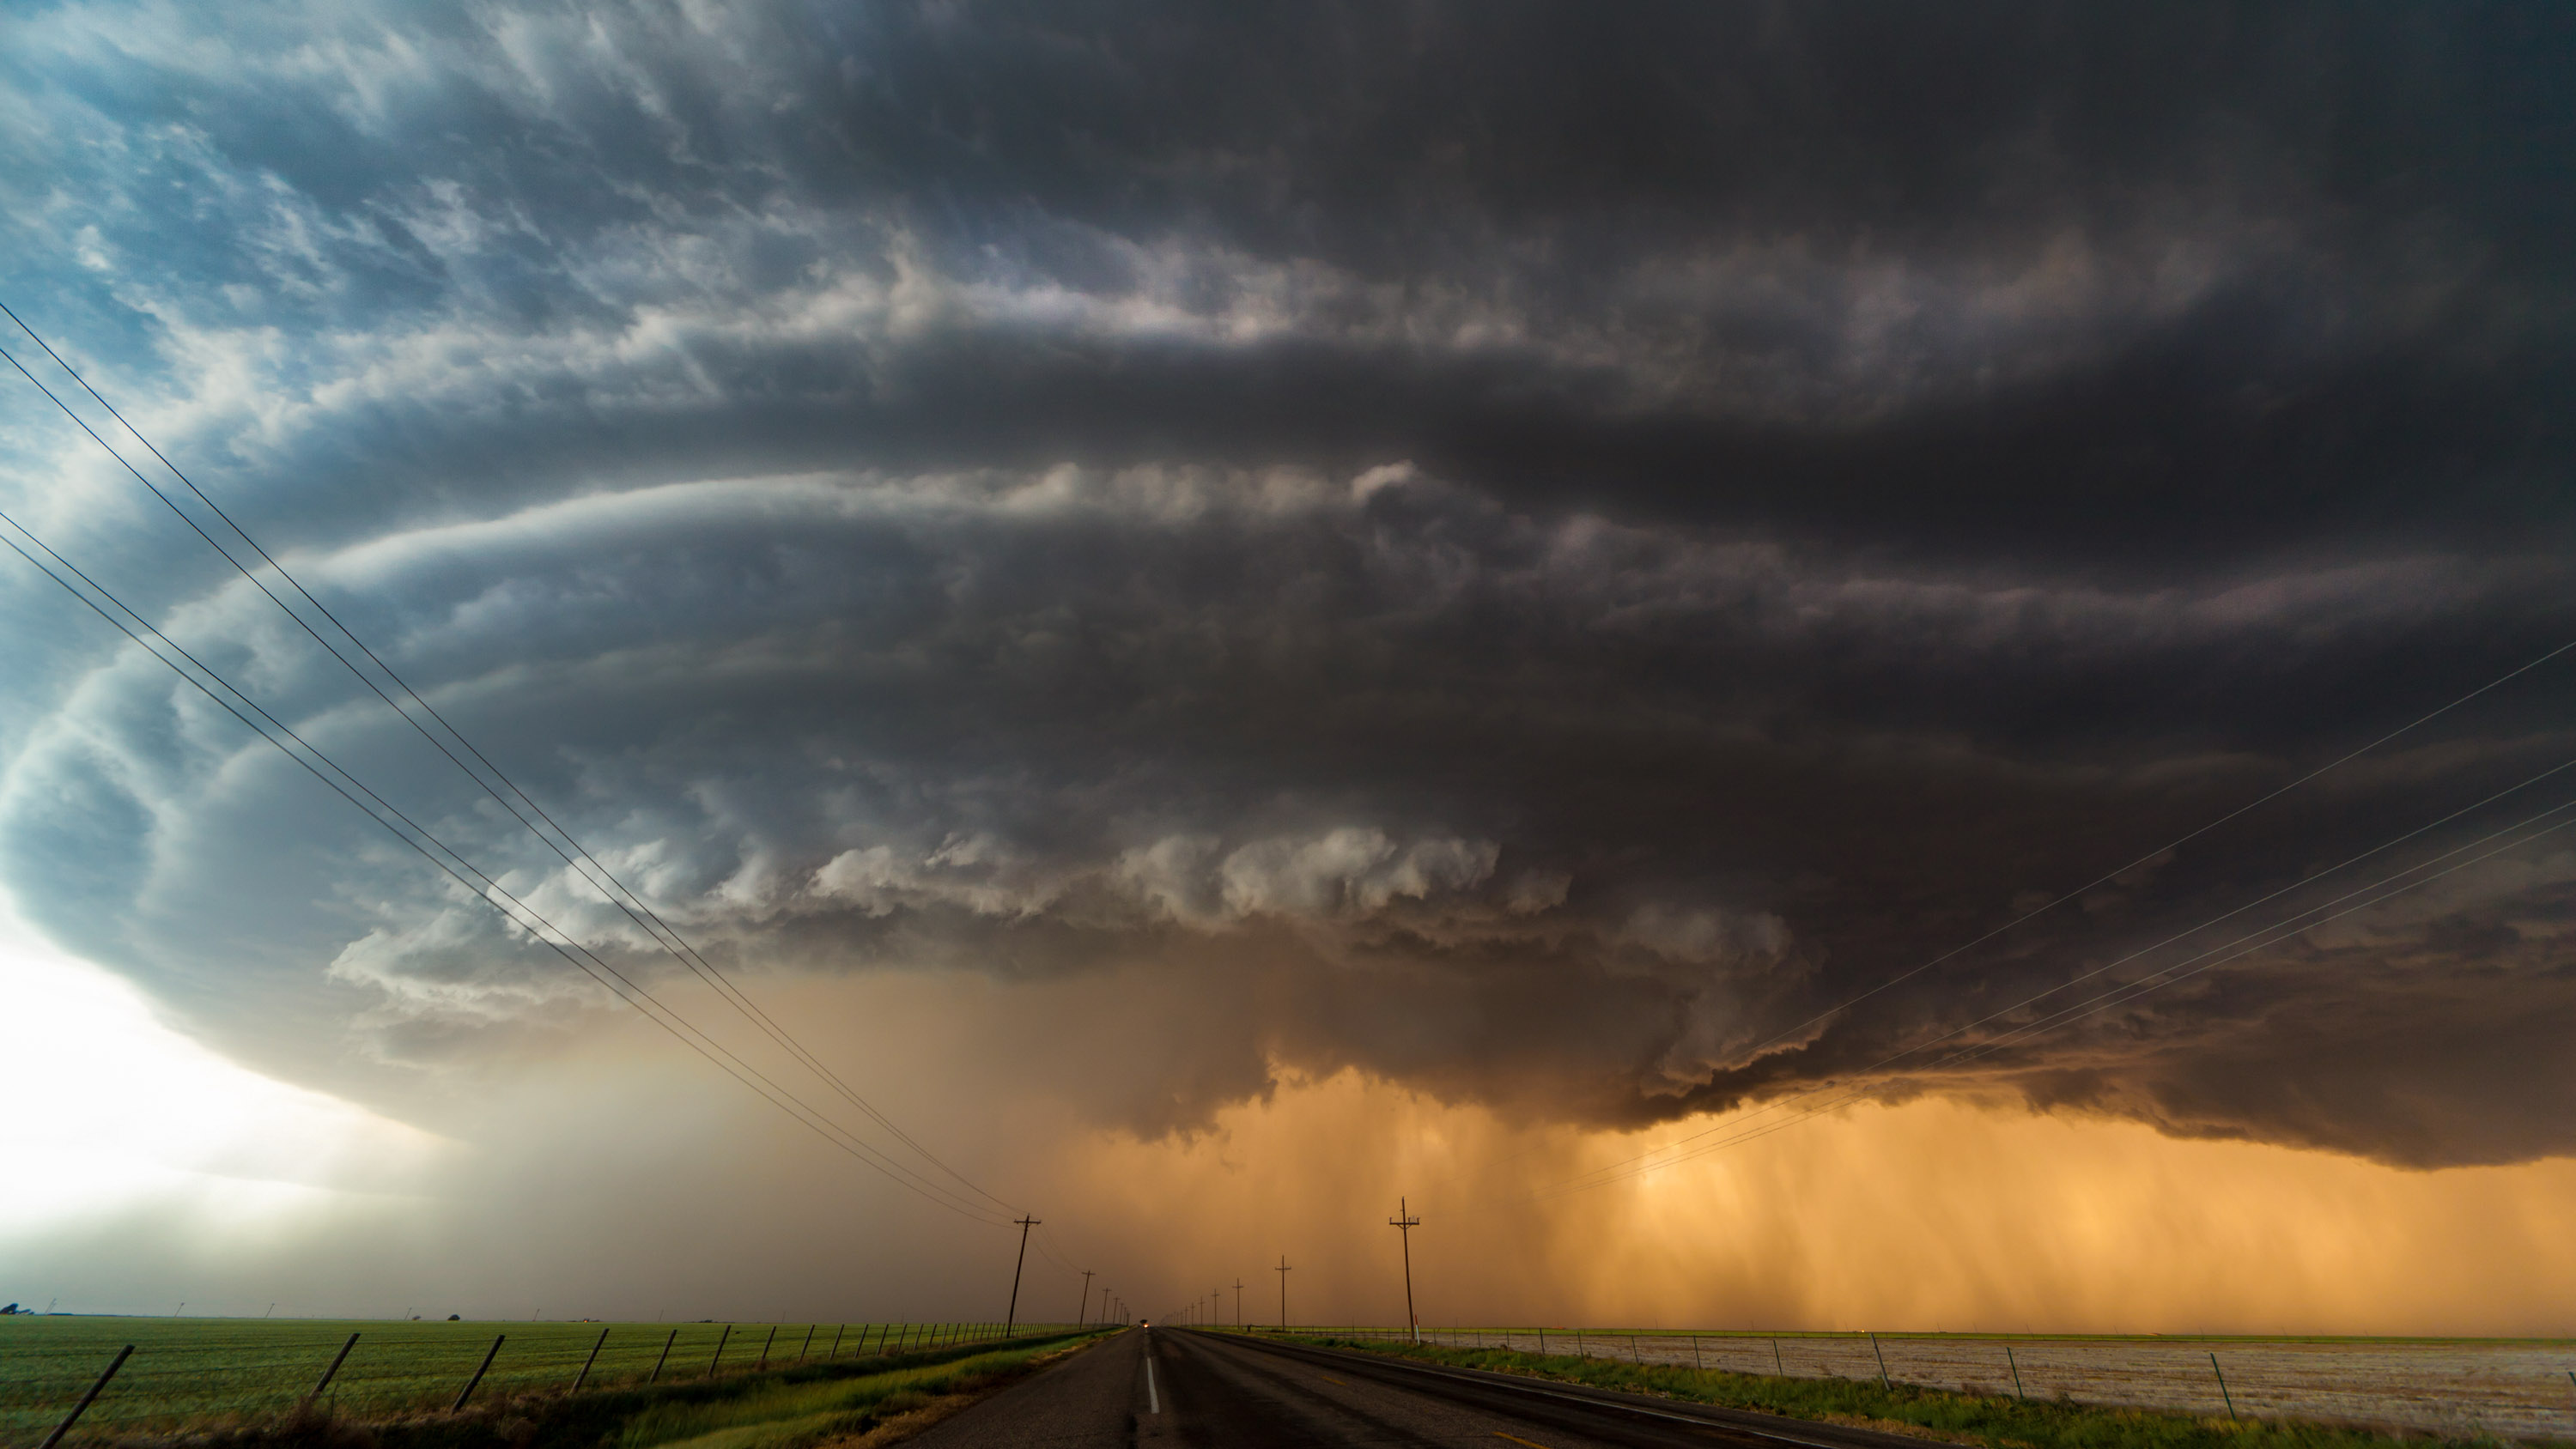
[[1144, 564]]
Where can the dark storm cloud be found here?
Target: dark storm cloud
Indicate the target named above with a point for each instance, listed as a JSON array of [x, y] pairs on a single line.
[[1543, 548]]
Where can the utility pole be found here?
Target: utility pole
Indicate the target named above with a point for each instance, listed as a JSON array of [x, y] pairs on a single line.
[[1404, 1222], [1026, 1222], [1238, 1303], [1104, 1303], [1082, 1319], [1216, 1307], [1282, 1271]]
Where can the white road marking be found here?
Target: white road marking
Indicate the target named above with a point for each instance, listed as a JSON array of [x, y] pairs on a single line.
[[1153, 1400]]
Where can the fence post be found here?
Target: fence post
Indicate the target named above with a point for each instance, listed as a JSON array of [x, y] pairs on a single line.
[[1775, 1359], [2222, 1387], [1635, 1356], [82, 1407], [764, 1347], [1695, 1363], [665, 1358], [2016, 1368], [837, 1330], [719, 1355], [584, 1376], [325, 1381], [468, 1391], [1882, 1364]]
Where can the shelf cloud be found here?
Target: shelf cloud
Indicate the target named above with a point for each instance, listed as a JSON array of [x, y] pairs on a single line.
[[1547, 557]]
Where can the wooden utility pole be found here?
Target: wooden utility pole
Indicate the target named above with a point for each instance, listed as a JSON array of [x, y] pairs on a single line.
[[1404, 1222], [1282, 1271], [1081, 1319], [1026, 1223], [1238, 1303]]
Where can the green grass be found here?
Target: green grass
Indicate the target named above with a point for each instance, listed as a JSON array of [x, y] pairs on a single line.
[[202, 1373], [794, 1414], [1991, 1420]]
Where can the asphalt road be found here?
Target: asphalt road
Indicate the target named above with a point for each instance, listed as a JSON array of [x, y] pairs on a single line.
[[1174, 1389]]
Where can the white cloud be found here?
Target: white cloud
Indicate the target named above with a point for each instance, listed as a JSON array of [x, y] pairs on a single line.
[[110, 1108]]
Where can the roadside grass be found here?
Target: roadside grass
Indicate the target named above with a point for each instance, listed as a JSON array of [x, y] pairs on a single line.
[[792, 1415], [1993, 1421], [198, 1375], [777, 1409]]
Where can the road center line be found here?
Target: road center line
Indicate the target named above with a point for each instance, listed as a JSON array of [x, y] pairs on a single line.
[[1153, 1400], [1517, 1439]]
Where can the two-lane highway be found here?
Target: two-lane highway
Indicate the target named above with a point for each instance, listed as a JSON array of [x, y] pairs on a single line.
[[1183, 1390]]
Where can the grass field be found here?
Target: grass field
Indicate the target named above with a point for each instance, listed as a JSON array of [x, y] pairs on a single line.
[[192, 1373], [1999, 1420], [791, 1414], [2453, 1387]]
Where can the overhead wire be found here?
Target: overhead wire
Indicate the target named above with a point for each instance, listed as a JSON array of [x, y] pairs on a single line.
[[2149, 857], [579, 858], [2177, 842], [464, 872], [2122, 994], [1739, 1129], [1781, 1103]]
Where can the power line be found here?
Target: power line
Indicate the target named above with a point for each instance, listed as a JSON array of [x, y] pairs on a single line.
[[1780, 1103], [2174, 843], [2211, 958], [480, 883], [2147, 984], [2027, 916], [613, 890], [457, 866]]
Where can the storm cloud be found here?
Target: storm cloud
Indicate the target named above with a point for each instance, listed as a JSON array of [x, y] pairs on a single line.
[[1523, 551]]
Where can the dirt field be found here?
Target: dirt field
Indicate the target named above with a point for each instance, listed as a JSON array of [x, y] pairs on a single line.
[[2516, 1389]]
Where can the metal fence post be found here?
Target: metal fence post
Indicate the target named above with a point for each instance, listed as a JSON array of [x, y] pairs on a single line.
[[584, 1376], [325, 1381], [82, 1407], [468, 1391], [2222, 1387], [2016, 1368], [1882, 1364]]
